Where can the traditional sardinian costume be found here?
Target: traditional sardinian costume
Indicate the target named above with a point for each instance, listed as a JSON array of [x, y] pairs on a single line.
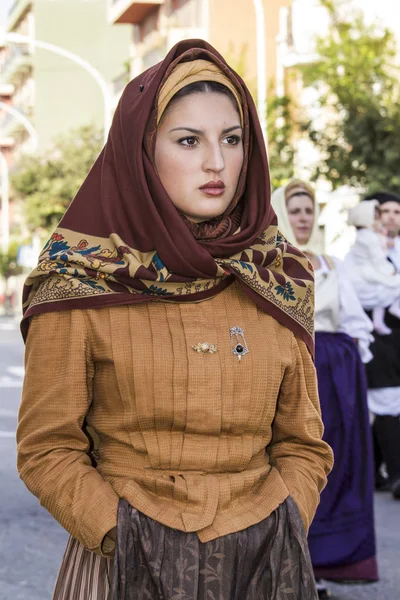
[[341, 537], [383, 372], [185, 351], [368, 258]]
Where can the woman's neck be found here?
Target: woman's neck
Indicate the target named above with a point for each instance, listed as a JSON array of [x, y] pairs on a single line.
[[314, 260]]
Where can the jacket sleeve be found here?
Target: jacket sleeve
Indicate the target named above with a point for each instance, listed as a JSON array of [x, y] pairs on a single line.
[[297, 449], [52, 446]]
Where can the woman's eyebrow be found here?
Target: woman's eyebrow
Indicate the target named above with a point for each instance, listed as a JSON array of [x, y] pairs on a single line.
[[232, 128], [200, 131]]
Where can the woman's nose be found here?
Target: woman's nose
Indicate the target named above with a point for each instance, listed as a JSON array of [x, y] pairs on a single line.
[[214, 160]]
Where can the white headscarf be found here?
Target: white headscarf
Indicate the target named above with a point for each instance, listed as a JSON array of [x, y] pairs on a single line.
[[279, 199]]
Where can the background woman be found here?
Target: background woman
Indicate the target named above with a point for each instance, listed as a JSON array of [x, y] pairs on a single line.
[[159, 316], [341, 538]]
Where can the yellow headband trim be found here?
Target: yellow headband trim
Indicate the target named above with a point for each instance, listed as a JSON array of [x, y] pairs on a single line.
[[186, 73]]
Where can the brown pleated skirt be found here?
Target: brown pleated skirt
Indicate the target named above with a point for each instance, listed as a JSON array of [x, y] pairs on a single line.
[[268, 561], [83, 575]]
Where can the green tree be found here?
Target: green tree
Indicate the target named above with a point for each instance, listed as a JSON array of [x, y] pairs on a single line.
[[46, 183], [8, 262], [358, 81], [280, 125]]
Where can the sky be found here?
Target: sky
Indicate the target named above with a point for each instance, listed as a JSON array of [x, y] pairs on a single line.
[[4, 8]]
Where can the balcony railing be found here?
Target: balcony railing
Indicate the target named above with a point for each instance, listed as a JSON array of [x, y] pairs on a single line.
[[18, 57], [9, 124]]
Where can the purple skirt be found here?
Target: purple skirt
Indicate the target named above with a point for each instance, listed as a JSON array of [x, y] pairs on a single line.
[[342, 537]]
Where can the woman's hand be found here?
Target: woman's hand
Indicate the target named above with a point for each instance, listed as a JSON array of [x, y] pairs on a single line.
[[108, 544]]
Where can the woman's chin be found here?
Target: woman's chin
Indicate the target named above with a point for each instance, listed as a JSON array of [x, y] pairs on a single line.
[[204, 218], [302, 241]]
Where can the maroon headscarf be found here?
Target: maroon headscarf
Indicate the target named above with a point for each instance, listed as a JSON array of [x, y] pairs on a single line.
[[123, 241]]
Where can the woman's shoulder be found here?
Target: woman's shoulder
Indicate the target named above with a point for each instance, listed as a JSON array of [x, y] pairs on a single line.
[[56, 323], [330, 262]]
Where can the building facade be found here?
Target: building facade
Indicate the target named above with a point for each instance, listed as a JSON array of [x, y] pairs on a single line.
[[53, 92], [230, 26], [308, 19]]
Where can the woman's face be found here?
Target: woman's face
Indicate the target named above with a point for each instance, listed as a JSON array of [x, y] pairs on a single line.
[[199, 154], [301, 217]]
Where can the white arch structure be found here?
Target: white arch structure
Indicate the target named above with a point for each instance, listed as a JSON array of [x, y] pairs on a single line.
[[17, 38]]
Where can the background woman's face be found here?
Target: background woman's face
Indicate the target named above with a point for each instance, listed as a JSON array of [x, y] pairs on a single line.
[[301, 217], [199, 154]]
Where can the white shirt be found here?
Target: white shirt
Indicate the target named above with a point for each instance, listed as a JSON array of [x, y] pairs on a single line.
[[372, 275], [337, 307]]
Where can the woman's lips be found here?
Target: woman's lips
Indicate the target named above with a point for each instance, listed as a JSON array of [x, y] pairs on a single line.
[[213, 188], [213, 191]]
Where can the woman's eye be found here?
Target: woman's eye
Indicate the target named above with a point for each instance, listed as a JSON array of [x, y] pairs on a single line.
[[232, 140], [189, 142]]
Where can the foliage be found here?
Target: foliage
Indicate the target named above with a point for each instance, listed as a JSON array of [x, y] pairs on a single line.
[[8, 261], [280, 134], [279, 122], [359, 88], [48, 182]]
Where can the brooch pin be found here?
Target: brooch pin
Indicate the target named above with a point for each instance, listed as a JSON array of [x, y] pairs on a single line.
[[238, 342], [205, 348]]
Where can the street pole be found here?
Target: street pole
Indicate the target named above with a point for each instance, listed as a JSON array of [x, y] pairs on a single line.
[[17, 38], [261, 67], [5, 218]]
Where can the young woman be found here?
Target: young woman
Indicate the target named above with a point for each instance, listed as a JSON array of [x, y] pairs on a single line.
[[341, 538], [169, 320]]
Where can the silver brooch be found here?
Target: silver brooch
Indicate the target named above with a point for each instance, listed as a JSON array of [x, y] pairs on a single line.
[[238, 342]]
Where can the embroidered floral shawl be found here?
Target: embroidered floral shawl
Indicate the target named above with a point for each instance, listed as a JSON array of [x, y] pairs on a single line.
[[122, 241]]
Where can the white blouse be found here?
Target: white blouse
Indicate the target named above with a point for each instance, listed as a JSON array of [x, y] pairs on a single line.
[[337, 307], [373, 279], [394, 253]]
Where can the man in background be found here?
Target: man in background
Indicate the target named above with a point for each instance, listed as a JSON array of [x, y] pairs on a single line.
[[383, 372]]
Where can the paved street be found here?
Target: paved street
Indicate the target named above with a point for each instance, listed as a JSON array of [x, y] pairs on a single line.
[[32, 542]]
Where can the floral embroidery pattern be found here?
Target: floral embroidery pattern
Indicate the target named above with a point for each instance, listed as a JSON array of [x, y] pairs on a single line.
[[72, 266], [245, 265], [157, 291], [160, 268], [286, 291]]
